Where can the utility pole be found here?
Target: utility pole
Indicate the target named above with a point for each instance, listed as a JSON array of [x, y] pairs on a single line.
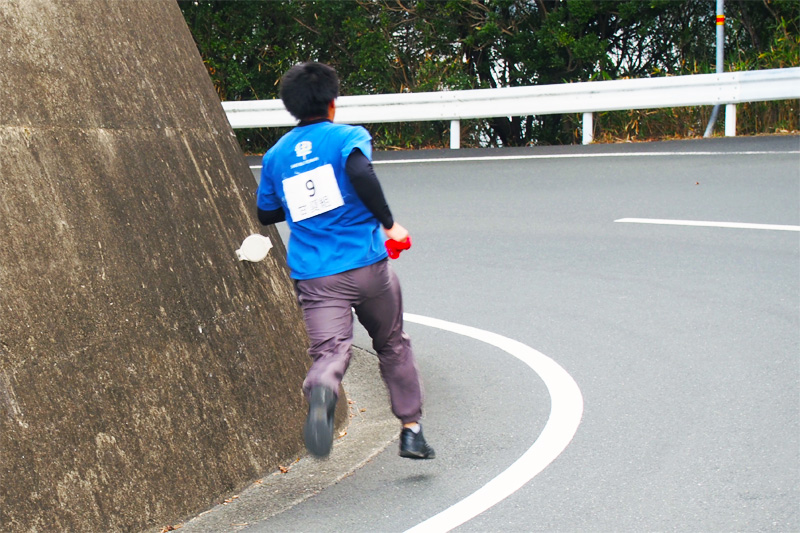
[[720, 60]]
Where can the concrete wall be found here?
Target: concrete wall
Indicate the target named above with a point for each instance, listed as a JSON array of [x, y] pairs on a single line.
[[144, 371]]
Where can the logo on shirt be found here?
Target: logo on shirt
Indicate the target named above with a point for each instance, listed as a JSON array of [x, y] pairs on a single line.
[[302, 149]]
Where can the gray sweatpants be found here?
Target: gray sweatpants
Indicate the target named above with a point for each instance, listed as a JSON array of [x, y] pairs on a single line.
[[374, 292]]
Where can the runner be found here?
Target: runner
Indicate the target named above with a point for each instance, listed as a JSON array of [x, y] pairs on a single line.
[[319, 179]]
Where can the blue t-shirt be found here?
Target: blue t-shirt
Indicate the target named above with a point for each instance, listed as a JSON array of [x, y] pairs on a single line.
[[332, 231]]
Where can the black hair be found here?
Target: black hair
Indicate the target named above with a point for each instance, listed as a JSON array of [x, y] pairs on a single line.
[[308, 88]]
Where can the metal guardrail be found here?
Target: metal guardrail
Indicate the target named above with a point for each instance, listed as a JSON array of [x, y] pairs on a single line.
[[728, 88]]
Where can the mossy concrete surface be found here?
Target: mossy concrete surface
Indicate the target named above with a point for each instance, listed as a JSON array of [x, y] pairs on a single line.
[[145, 373]]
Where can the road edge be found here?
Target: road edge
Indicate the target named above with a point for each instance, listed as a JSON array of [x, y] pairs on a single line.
[[371, 428]]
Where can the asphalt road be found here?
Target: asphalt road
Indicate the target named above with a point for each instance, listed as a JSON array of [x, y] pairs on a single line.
[[684, 341]]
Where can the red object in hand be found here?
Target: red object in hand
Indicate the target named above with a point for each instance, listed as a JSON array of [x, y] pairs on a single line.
[[394, 247]]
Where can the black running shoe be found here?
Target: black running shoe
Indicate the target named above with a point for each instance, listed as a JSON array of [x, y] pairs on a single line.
[[413, 445], [318, 431]]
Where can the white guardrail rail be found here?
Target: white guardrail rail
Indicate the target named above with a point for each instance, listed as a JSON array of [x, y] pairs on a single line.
[[729, 88]]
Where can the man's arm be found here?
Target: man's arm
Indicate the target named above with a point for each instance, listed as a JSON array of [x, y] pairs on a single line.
[[271, 217], [368, 188]]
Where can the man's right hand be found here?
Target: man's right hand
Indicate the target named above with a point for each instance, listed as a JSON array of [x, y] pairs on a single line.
[[396, 232]]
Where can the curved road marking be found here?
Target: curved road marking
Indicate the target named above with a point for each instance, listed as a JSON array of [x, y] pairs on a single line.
[[703, 223], [566, 410]]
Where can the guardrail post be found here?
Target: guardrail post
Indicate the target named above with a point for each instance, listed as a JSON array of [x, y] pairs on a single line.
[[455, 134], [730, 120], [588, 135]]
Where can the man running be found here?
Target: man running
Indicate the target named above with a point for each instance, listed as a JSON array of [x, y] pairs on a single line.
[[319, 179]]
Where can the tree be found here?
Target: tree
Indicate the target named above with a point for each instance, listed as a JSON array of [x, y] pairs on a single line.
[[391, 46]]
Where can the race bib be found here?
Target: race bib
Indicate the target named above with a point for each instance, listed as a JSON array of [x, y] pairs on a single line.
[[312, 193]]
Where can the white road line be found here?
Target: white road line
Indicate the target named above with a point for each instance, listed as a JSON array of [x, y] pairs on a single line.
[[570, 156], [566, 410], [740, 225]]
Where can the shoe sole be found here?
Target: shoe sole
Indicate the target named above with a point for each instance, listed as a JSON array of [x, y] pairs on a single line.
[[412, 455], [317, 433], [318, 429]]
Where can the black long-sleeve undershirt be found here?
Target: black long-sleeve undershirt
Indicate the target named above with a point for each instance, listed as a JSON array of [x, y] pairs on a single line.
[[272, 216], [365, 183], [367, 187]]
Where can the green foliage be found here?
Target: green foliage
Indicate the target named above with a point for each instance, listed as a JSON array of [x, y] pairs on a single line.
[[758, 36], [391, 46]]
